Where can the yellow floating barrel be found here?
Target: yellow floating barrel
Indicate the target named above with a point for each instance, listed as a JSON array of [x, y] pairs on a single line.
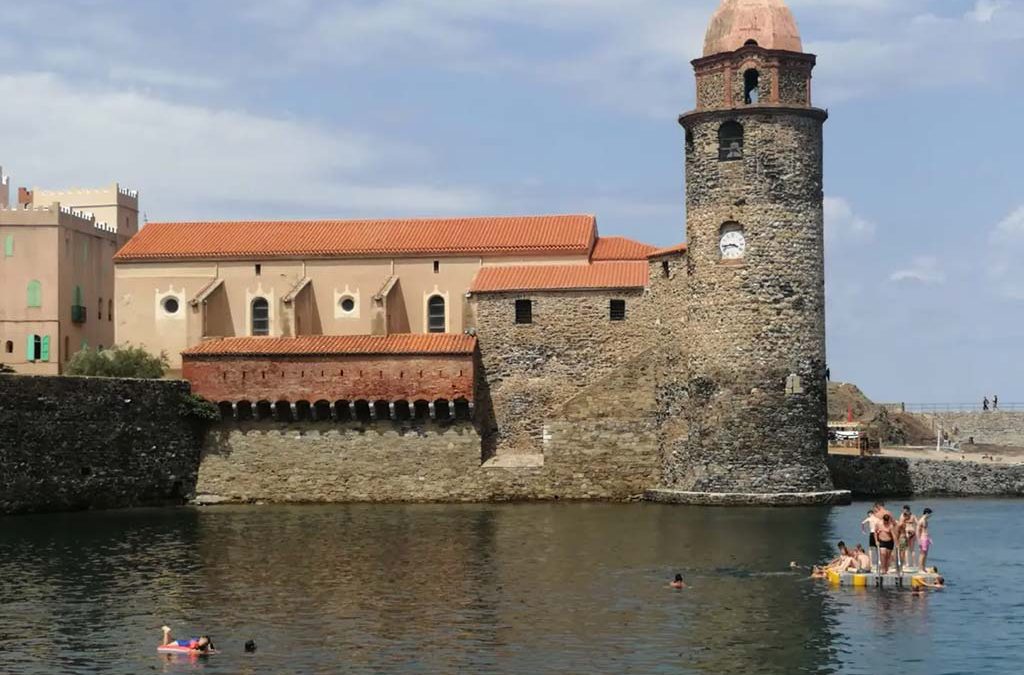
[[906, 579]]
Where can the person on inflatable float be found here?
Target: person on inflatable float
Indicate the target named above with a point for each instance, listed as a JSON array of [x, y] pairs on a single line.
[[202, 644]]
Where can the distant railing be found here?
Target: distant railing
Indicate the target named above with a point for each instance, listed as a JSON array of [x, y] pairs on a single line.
[[962, 407]]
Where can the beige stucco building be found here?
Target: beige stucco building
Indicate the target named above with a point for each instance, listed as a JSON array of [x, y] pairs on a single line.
[[180, 283], [57, 272]]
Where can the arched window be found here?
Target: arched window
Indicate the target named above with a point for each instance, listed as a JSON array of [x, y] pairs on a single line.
[[76, 298], [9, 347], [751, 86], [100, 310], [436, 322], [35, 294], [110, 310], [689, 141], [38, 348], [730, 141], [260, 317]]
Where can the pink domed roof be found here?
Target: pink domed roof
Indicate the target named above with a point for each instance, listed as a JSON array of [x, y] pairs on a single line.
[[769, 23]]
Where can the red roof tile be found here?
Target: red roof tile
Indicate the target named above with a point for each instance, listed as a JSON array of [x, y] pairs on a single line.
[[425, 343], [499, 236], [561, 277], [671, 250], [620, 248]]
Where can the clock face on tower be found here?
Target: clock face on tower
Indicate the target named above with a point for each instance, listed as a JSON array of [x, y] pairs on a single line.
[[732, 243]]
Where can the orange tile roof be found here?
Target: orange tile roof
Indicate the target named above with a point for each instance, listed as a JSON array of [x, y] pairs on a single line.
[[512, 235], [361, 345], [620, 248], [671, 250], [599, 275]]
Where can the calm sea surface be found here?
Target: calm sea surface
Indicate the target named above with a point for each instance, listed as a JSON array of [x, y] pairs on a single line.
[[547, 588]]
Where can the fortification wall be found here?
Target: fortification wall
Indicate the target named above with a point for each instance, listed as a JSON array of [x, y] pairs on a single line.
[[899, 477], [83, 443], [990, 428], [425, 461]]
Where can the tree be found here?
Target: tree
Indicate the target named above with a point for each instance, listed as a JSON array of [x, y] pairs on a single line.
[[121, 361]]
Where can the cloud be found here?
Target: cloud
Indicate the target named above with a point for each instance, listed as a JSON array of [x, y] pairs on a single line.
[[923, 270], [195, 161], [842, 224], [1011, 227], [985, 10]]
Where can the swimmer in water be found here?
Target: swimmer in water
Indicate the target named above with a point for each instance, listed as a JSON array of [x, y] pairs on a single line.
[[678, 582], [200, 645]]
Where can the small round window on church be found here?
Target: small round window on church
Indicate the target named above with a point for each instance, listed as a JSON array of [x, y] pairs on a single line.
[[348, 305], [170, 305]]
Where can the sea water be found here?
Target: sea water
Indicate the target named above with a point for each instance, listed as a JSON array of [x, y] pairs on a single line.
[[524, 588]]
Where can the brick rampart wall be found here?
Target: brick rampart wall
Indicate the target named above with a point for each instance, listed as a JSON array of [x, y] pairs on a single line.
[[332, 378]]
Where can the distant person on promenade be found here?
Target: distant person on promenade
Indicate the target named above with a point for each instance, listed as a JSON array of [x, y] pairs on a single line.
[[984, 404], [995, 402], [869, 525], [885, 535], [924, 538], [908, 536], [678, 582]]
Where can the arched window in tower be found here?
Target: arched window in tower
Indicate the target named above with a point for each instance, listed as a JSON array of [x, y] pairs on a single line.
[[730, 141], [436, 320], [260, 317], [751, 86], [689, 141]]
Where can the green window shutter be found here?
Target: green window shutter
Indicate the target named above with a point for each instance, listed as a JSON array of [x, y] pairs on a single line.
[[44, 352], [30, 348], [85, 345], [35, 294], [9, 245], [78, 296]]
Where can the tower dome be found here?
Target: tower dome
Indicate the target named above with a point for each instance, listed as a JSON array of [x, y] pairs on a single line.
[[737, 23]]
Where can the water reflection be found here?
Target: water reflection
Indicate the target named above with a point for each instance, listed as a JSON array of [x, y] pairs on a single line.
[[439, 589]]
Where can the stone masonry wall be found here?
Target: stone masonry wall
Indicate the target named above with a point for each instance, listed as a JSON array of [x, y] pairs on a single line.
[[83, 443], [755, 322], [529, 372], [898, 477], [418, 462], [990, 428]]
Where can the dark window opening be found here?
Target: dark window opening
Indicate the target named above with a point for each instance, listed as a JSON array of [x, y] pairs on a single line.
[[110, 310], [436, 315], [751, 86], [730, 141], [524, 311], [689, 141], [260, 317], [322, 411], [437, 266], [37, 348], [617, 310], [99, 314], [9, 347], [259, 269], [666, 271], [750, 43]]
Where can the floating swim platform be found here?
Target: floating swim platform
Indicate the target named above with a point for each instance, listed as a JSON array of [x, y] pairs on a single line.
[[905, 579]]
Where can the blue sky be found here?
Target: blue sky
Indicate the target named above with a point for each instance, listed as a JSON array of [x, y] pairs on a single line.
[[347, 108]]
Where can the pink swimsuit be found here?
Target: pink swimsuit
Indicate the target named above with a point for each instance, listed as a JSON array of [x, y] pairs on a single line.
[[925, 543]]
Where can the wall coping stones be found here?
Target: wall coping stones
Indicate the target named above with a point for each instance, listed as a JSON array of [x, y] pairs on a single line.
[[829, 498]]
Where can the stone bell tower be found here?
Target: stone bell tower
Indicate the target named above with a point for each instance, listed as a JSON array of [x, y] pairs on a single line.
[[755, 413]]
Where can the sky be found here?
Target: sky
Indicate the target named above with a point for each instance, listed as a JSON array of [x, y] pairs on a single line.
[[348, 108]]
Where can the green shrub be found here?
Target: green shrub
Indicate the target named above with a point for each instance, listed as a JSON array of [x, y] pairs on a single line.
[[122, 361], [197, 408]]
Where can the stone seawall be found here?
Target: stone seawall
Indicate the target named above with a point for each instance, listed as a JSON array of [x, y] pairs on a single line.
[[419, 462], [79, 443], [899, 477], [990, 428]]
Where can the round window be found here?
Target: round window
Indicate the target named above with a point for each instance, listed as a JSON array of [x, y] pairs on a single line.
[[170, 305], [348, 305]]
